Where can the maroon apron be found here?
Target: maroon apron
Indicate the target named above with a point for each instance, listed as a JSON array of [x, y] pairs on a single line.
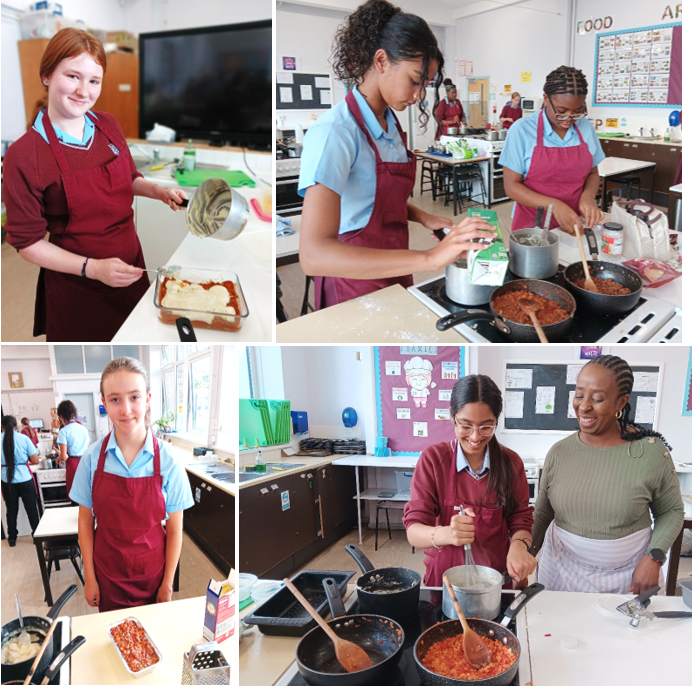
[[491, 534], [387, 228], [556, 172], [451, 110], [99, 201], [129, 541]]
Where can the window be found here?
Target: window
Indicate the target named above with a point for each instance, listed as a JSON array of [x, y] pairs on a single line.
[[89, 359], [198, 407]]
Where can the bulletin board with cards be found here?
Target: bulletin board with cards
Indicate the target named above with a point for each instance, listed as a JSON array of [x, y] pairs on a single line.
[[639, 67], [538, 397], [300, 91], [414, 386]]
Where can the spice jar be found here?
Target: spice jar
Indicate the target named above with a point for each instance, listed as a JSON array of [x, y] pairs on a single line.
[[612, 238]]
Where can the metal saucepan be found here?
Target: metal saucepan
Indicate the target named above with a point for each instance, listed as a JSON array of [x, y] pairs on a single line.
[[452, 130], [491, 136], [514, 331], [460, 290], [57, 663], [379, 636], [37, 626], [502, 134], [390, 591], [483, 627], [533, 261], [601, 302], [481, 603], [216, 211]]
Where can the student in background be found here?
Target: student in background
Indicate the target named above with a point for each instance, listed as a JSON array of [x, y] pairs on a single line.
[[29, 431], [73, 440], [510, 113]]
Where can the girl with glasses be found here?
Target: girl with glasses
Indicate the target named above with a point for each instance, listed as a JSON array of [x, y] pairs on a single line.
[[552, 157], [471, 490]]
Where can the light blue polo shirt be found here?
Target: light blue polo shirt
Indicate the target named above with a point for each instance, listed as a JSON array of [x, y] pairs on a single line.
[[521, 141], [23, 449], [76, 437], [336, 154], [65, 137], [176, 486], [463, 463]]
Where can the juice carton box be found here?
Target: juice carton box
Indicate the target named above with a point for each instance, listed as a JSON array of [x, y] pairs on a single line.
[[219, 612], [488, 266]]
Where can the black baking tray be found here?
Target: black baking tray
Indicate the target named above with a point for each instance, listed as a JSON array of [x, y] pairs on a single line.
[[283, 615]]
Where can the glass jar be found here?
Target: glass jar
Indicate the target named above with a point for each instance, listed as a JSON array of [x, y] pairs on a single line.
[[612, 238]]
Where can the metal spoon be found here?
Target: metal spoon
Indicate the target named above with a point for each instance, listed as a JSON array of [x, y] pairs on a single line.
[[23, 636]]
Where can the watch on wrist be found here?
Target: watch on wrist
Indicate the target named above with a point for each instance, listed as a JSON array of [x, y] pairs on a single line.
[[657, 555]]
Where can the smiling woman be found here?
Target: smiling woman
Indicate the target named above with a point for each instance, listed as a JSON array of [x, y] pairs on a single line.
[[72, 176]]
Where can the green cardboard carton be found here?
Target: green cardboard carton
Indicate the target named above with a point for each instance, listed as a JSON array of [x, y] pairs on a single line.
[[487, 267]]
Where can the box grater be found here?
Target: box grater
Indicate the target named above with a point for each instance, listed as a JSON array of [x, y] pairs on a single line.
[[205, 664]]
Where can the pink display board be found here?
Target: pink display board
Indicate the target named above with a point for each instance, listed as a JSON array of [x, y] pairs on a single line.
[[414, 385]]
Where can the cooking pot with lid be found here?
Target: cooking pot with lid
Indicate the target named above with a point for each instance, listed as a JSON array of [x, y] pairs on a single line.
[[491, 136], [502, 134]]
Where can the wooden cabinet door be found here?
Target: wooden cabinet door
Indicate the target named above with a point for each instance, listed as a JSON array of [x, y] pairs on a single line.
[[120, 91], [266, 529], [30, 54], [304, 497], [328, 499], [193, 517], [220, 525]]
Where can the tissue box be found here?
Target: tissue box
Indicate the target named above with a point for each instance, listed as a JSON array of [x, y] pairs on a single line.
[[488, 267], [161, 134], [219, 612], [124, 40]]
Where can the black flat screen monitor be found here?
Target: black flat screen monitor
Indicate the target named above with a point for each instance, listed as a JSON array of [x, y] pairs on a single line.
[[36, 423], [212, 83]]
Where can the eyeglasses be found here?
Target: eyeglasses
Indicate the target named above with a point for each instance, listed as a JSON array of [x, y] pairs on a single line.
[[565, 117], [467, 429]]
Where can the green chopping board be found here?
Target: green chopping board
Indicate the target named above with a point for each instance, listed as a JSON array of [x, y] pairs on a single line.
[[611, 135], [234, 179]]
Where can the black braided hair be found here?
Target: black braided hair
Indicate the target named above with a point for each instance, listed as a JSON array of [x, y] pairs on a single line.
[[624, 380], [9, 424], [566, 81], [377, 24]]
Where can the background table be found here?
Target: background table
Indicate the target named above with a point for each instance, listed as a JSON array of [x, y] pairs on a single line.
[[617, 166]]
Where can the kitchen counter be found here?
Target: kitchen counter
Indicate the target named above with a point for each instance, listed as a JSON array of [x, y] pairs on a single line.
[[305, 463], [174, 627], [635, 139], [249, 255], [199, 470]]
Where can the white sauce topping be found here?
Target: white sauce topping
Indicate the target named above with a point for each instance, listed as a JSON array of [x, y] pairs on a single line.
[[191, 296]]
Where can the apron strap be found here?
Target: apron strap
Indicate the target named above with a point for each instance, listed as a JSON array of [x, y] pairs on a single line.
[[157, 456], [102, 454]]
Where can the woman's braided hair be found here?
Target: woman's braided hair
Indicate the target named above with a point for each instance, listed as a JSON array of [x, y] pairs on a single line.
[[375, 25], [624, 380], [566, 81]]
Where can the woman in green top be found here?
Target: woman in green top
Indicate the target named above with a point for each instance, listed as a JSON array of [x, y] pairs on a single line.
[[599, 491]]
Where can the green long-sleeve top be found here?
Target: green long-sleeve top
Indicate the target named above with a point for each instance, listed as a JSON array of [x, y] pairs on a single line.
[[604, 494]]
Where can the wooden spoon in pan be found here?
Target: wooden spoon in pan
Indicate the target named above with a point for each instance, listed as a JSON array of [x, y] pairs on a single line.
[[350, 656], [475, 650], [589, 283], [529, 307]]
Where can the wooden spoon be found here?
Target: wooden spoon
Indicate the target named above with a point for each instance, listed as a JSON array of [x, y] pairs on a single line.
[[42, 649], [530, 308], [589, 284], [476, 651], [350, 656]]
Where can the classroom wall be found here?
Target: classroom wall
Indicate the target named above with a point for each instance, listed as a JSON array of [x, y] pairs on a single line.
[[626, 15]]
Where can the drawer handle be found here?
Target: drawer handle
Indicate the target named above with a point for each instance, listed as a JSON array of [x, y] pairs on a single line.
[[274, 487], [264, 491], [309, 476]]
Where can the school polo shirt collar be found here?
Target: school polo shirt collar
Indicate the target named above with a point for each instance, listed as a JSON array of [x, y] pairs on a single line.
[[144, 455], [374, 127], [65, 137], [552, 136], [463, 463]]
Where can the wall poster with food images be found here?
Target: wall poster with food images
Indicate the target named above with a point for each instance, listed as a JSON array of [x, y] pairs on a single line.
[[639, 67], [414, 386]]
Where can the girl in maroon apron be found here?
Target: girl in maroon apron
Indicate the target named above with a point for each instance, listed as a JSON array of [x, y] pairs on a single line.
[[564, 177], [450, 111], [90, 278], [127, 561], [75, 441], [388, 79], [488, 508]]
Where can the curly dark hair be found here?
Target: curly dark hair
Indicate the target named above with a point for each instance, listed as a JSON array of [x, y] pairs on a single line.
[[375, 25], [67, 411], [624, 380], [566, 81]]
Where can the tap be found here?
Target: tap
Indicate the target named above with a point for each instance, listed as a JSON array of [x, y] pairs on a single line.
[[651, 131], [155, 158], [641, 132]]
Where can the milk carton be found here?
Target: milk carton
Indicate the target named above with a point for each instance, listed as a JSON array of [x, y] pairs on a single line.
[[219, 611], [487, 267]]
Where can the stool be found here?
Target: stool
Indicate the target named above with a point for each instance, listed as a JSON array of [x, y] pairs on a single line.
[[628, 180], [381, 505], [306, 306], [63, 550], [427, 177], [281, 315]]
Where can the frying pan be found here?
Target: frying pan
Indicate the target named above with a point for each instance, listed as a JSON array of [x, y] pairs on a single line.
[[390, 591], [39, 625], [483, 627], [600, 302], [514, 331], [57, 663], [379, 636]]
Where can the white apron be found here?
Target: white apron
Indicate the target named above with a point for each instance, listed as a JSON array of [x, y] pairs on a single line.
[[573, 563]]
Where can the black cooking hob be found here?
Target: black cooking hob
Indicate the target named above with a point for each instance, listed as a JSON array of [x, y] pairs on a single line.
[[429, 613], [586, 328]]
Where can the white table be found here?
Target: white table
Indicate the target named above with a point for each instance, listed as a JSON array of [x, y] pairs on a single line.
[[371, 461], [287, 246], [616, 166], [57, 523]]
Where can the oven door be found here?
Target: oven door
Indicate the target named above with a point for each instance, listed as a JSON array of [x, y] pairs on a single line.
[[54, 494], [287, 198], [533, 490]]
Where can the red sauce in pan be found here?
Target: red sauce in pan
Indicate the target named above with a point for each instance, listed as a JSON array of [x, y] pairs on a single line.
[[549, 312], [606, 286]]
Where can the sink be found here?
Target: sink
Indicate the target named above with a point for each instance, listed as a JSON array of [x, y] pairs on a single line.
[[249, 476], [223, 476], [283, 466]]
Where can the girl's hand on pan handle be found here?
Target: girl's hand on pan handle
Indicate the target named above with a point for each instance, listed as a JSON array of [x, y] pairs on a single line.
[[92, 594], [461, 530], [113, 272], [172, 197], [461, 238]]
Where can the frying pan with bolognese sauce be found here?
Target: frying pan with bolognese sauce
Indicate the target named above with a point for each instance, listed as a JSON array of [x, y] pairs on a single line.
[[441, 645]]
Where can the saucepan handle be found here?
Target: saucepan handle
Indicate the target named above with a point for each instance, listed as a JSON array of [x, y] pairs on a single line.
[[336, 604], [363, 562], [513, 610], [469, 315]]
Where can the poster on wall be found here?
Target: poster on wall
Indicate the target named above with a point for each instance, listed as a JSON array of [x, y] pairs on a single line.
[[687, 399], [414, 386], [639, 67]]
